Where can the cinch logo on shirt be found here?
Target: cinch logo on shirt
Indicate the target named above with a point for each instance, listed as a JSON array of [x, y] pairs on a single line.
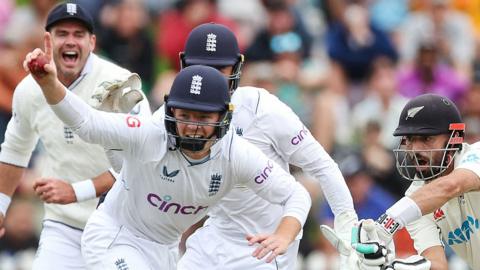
[[463, 234], [164, 205], [265, 172], [299, 137]]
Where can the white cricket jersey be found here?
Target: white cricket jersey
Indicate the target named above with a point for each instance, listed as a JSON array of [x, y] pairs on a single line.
[[67, 156], [161, 193], [273, 127], [456, 223]]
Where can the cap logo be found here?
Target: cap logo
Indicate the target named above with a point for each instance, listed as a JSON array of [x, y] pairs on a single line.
[[413, 111], [211, 43], [71, 8], [196, 85]]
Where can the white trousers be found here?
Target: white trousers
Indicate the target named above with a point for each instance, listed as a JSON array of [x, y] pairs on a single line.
[[209, 249], [106, 245], [59, 248]]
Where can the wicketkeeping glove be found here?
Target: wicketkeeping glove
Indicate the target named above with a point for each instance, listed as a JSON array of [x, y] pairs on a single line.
[[118, 96], [342, 225], [349, 258], [415, 262]]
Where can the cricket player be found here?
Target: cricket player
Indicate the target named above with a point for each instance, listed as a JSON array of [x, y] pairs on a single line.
[[174, 171], [441, 206], [75, 172], [269, 124]]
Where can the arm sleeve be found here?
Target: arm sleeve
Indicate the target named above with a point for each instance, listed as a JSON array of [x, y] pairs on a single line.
[[298, 147], [20, 136], [271, 182], [423, 231], [111, 130]]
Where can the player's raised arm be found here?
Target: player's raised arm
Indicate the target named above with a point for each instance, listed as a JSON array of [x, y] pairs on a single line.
[[42, 67]]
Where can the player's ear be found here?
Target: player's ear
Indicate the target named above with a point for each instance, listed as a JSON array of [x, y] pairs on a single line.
[[92, 41]]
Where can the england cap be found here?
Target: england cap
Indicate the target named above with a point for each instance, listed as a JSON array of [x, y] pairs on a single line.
[[69, 11]]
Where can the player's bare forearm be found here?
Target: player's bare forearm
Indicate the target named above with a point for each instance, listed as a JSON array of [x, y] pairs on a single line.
[[436, 193], [277, 243], [103, 182], [182, 245], [10, 176], [288, 228], [436, 255]]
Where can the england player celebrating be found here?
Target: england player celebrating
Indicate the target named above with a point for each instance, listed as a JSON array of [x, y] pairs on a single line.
[[273, 127], [72, 173], [440, 207], [174, 171]]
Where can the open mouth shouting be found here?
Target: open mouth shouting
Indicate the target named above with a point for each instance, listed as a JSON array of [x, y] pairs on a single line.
[[70, 58]]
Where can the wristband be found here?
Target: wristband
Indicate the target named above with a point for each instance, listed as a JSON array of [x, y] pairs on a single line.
[[404, 211], [389, 225], [84, 190], [4, 203]]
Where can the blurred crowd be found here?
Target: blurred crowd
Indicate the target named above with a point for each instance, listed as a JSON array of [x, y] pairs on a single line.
[[346, 67]]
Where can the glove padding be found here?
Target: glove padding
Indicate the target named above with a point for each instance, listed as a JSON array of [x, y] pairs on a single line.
[[415, 262], [342, 225], [374, 248], [348, 257], [119, 96]]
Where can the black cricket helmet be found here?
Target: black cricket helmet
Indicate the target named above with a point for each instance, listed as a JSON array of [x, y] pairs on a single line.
[[214, 45], [198, 88], [428, 115]]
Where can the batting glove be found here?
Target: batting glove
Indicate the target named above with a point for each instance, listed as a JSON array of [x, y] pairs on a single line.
[[118, 96], [415, 262], [373, 244]]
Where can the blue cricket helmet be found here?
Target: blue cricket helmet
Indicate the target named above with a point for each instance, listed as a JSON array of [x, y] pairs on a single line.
[[198, 88], [214, 45]]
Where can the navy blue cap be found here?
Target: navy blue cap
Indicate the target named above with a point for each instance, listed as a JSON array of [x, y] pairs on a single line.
[[69, 11], [211, 44], [199, 88]]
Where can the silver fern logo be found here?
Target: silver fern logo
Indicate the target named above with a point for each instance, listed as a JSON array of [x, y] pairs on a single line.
[[196, 85], [413, 111], [211, 45]]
